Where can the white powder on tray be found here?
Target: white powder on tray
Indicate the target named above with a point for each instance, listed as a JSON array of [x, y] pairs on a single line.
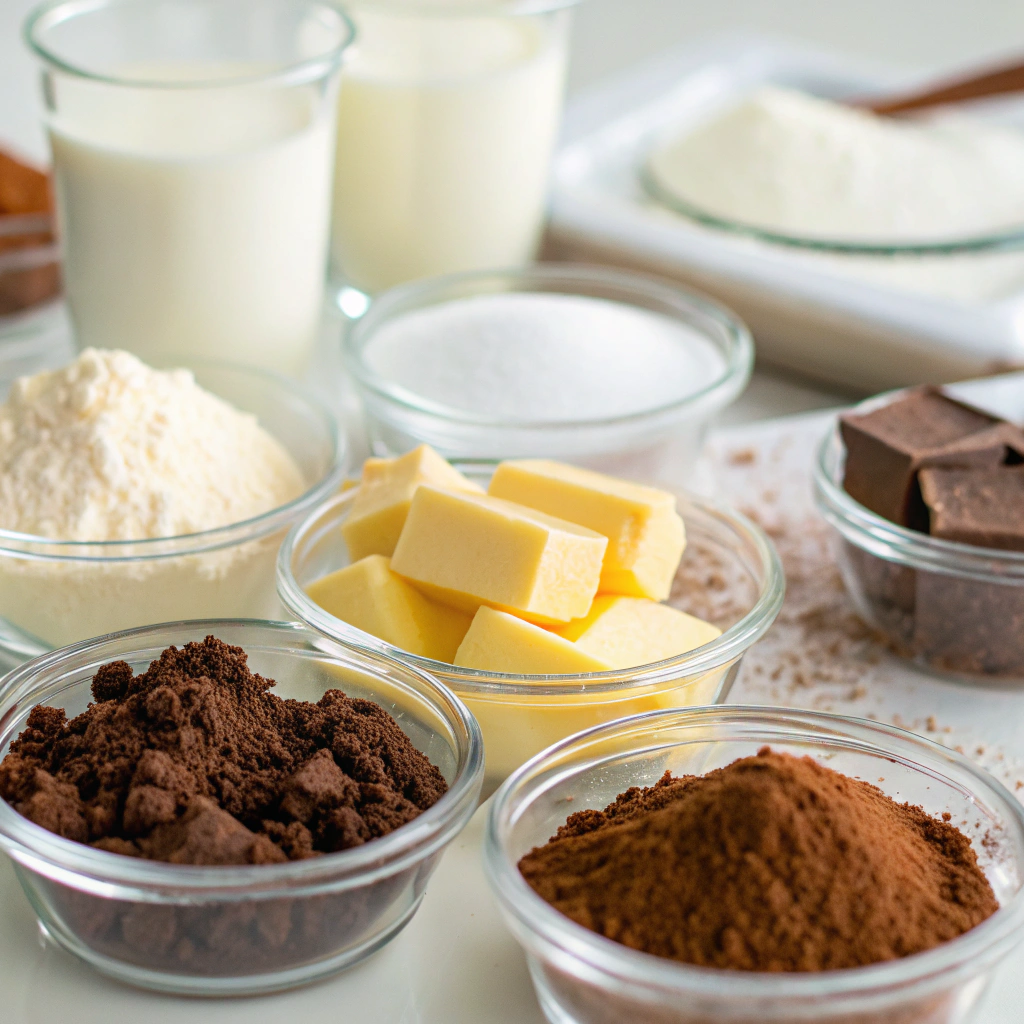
[[107, 449], [795, 164], [531, 357]]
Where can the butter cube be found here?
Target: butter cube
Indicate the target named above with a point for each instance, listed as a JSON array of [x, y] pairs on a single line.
[[467, 550], [378, 511], [630, 631], [369, 596], [499, 642], [645, 533]]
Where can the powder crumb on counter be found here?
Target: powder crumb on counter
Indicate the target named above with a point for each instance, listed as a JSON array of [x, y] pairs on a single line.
[[819, 654]]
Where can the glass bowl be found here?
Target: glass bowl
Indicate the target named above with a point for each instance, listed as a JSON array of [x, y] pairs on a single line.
[[236, 930], [583, 978], [730, 575], [55, 592], [956, 608], [657, 444]]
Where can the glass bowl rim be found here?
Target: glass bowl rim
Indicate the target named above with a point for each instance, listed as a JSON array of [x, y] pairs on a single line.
[[30, 843], [633, 966], [1008, 239], [31, 546], [298, 72], [724, 649], [738, 351], [899, 544]]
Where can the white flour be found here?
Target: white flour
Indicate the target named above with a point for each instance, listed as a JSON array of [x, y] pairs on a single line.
[[109, 449], [795, 164], [542, 357]]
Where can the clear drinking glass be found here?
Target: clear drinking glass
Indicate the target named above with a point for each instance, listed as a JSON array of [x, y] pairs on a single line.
[[447, 120], [193, 149]]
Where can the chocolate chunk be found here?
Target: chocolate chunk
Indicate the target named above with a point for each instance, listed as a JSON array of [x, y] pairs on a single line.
[[886, 447], [984, 507]]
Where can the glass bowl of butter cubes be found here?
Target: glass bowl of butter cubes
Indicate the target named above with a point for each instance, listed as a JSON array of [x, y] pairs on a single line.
[[548, 597]]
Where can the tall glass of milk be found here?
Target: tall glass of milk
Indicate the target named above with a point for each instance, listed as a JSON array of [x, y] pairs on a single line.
[[447, 118], [193, 147]]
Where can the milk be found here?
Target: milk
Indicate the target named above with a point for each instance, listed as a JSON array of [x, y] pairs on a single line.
[[194, 220], [446, 126]]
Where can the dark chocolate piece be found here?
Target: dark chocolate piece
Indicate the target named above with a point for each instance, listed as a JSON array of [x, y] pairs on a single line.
[[984, 507], [885, 449]]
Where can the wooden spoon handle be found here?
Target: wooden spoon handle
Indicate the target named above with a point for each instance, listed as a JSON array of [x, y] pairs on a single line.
[[989, 83]]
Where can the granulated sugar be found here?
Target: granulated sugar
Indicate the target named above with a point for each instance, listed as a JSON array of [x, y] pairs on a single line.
[[543, 357]]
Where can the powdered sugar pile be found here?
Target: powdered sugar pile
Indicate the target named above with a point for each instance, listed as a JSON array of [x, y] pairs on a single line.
[[108, 449], [789, 162]]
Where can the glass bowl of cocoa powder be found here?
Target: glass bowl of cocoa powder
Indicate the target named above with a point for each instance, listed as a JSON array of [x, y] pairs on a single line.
[[730, 575], [909, 902], [292, 857]]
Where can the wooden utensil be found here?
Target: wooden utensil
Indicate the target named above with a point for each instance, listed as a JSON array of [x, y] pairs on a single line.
[[994, 82]]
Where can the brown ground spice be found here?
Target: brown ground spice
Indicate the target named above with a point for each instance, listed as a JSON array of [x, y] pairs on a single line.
[[773, 863], [195, 761]]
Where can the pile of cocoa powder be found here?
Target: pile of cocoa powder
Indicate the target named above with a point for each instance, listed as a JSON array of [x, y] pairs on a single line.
[[773, 863], [195, 761]]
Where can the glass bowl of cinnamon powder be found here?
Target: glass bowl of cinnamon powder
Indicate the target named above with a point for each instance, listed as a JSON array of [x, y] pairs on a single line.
[[771, 865], [189, 828]]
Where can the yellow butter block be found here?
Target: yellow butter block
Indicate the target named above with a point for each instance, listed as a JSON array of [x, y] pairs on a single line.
[[369, 596], [630, 631], [378, 511], [645, 534], [499, 642], [469, 549]]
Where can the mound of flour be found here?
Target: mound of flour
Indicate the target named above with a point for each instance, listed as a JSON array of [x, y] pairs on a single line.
[[788, 162], [109, 449]]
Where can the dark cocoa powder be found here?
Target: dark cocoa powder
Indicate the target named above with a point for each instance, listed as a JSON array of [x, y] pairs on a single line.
[[773, 863], [195, 761]]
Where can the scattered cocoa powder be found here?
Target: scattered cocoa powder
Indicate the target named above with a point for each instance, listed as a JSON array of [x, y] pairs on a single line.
[[773, 863], [195, 761]]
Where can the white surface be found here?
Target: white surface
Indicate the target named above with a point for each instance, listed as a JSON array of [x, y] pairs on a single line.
[[462, 185], [855, 320], [456, 963]]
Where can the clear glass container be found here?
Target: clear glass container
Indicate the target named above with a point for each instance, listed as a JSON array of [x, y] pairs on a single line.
[[193, 147], [730, 575], [56, 592], [240, 930], [956, 608], [583, 978], [660, 443], [448, 116]]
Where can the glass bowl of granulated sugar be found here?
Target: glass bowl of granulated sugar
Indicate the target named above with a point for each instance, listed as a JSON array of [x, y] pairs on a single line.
[[745, 865], [617, 371]]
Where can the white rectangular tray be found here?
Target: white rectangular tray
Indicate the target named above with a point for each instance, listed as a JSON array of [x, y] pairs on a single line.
[[805, 313]]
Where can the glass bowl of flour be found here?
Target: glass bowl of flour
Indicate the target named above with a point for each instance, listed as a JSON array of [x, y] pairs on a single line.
[[617, 371], [133, 495]]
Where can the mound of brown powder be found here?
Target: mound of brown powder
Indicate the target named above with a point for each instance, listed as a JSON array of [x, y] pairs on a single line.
[[773, 863], [195, 761]]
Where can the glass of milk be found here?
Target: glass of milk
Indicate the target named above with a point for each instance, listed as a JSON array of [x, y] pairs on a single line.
[[447, 118], [193, 146]]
